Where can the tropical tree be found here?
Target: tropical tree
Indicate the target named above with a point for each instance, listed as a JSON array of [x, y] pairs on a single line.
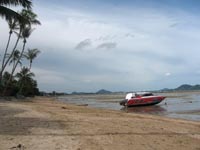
[[25, 81], [13, 25], [15, 58], [31, 54], [21, 24], [29, 15], [11, 86], [6, 77], [8, 13], [24, 32]]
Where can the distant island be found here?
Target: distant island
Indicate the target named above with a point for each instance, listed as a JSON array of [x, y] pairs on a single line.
[[102, 91], [184, 87]]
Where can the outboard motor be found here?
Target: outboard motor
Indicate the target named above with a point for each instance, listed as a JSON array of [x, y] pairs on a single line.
[[128, 96]]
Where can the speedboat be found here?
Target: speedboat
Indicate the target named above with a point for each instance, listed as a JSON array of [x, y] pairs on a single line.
[[141, 99]]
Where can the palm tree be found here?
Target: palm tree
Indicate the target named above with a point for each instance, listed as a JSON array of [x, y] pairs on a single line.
[[30, 55], [24, 78], [13, 25], [8, 86], [29, 15], [8, 13], [15, 58], [26, 32], [13, 61], [24, 26], [6, 77]]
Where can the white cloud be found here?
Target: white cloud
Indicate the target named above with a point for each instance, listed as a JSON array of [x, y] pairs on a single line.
[[167, 74]]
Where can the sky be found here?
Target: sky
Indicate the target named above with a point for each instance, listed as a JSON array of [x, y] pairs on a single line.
[[129, 45]]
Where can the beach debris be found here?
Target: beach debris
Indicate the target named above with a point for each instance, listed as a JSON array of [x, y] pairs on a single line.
[[18, 147], [82, 105], [63, 107]]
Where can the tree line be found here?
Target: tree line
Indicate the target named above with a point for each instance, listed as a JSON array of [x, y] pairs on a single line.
[[16, 78]]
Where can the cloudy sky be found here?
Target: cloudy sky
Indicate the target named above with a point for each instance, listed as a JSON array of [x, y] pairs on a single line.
[[118, 45]]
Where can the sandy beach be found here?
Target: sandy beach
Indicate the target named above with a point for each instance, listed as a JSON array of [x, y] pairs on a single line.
[[43, 123]]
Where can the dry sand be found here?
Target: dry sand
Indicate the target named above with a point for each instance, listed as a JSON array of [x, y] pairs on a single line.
[[46, 124]]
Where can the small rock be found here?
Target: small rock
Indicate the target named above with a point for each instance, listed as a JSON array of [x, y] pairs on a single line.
[[63, 107]]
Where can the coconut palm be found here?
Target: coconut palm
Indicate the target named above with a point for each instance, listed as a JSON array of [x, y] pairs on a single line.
[[24, 26], [25, 79], [26, 32], [26, 29], [29, 15], [6, 77], [31, 54], [24, 75], [13, 61], [13, 25], [14, 58], [8, 13]]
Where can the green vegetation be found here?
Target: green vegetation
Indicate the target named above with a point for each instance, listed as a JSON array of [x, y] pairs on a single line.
[[14, 83]]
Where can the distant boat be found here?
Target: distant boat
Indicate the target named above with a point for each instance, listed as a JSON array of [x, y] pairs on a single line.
[[141, 99]]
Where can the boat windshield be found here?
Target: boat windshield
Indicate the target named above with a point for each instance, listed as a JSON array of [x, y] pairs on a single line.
[[130, 95], [133, 95], [147, 94]]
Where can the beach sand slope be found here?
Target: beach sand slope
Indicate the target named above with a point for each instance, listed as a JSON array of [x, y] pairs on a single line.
[[46, 124]]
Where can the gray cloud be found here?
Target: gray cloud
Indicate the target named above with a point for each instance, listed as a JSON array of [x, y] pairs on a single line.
[[173, 25], [106, 38], [129, 35], [84, 44], [107, 45]]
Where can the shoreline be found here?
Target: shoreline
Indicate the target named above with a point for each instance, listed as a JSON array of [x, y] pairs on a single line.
[[45, 123]]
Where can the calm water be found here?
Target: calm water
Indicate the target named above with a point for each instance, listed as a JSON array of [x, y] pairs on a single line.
[[185, 105]]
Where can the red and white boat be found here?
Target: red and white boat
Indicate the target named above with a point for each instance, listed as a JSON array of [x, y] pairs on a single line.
[[141, 99]]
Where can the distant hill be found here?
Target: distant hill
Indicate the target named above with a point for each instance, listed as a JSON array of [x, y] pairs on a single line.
[[184, 87], [102, 91], [188, 87]]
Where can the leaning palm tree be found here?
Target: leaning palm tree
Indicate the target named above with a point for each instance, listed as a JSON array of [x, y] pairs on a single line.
[[8, 13], [13, 25], [26, 32], [23, 26], [29, 15], [31, 54], [13, 61]]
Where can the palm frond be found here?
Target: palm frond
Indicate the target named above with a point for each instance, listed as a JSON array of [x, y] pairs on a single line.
[[8, 14], [25, 3]]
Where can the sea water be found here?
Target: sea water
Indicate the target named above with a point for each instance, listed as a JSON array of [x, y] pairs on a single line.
[[184, 105]]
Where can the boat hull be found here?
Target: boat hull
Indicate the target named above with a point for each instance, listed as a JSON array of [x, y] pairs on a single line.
[[142, 101]]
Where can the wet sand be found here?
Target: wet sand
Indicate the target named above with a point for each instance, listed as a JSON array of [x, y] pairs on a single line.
[[43, 123]]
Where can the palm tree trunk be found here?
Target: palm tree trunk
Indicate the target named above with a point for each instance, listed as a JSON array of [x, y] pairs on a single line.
[[30, 65], [6, 50], [6, 62], [14, 67], [20, 57], [4, 57]]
